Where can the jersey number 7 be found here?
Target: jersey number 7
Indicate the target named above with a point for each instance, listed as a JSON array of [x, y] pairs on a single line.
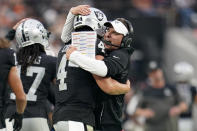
[[40, 71]]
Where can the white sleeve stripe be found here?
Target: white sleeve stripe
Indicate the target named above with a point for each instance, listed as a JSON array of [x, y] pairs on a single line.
[[93, 66], [68, 28]]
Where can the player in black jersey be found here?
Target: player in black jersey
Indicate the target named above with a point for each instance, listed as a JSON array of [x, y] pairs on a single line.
[[117, 39], [9, 76], [37, 70], [76, 19], [75, 95]]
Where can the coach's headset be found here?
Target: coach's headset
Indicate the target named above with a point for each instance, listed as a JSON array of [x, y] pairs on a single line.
[[126, 40]]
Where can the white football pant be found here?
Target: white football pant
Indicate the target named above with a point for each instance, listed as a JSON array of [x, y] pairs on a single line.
[[30, 124], [72, 126]]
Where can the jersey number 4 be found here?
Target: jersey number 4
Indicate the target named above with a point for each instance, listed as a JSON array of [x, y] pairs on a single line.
[[40, 71]]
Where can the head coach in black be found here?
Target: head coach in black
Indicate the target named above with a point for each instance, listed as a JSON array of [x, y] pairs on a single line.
[[118, 45]]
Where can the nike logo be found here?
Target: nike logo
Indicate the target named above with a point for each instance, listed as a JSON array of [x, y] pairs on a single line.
[[116, 57]]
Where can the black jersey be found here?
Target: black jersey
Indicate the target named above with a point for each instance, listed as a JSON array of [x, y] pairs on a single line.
[[36, 83], [160, 100], [117, 63], [75, 92], [7, 61]]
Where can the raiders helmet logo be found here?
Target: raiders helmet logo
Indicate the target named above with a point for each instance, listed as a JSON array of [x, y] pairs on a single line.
[[99, 15]]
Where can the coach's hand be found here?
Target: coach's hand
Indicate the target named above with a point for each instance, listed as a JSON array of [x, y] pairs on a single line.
[[128, 85], [18, 118], [80, 10], [69, 51]]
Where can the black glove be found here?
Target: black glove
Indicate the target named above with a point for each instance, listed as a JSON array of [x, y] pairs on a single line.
[[10, 35], [18, 119]]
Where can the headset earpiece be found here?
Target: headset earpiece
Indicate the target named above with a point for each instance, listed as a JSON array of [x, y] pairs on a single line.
[[126, 41]]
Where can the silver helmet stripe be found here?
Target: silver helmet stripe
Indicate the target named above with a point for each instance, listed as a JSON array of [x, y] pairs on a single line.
[[23, 34]]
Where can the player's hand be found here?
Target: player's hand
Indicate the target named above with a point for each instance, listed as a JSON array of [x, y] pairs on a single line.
[[80, 10], [18, 23], [18, 119], [99, 57], [174, 111], [70, 51]]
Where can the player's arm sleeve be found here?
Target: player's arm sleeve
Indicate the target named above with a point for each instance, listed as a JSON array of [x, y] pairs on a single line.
[[68, 28], [96, 67]]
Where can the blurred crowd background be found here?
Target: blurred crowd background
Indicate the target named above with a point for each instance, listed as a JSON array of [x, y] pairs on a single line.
[[165, 36]]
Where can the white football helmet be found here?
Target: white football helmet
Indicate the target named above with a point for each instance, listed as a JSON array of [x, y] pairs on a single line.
[[95, 20], [30, 32], [184, 71]]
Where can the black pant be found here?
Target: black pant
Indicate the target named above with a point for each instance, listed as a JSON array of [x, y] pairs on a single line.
[[111, 127]]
